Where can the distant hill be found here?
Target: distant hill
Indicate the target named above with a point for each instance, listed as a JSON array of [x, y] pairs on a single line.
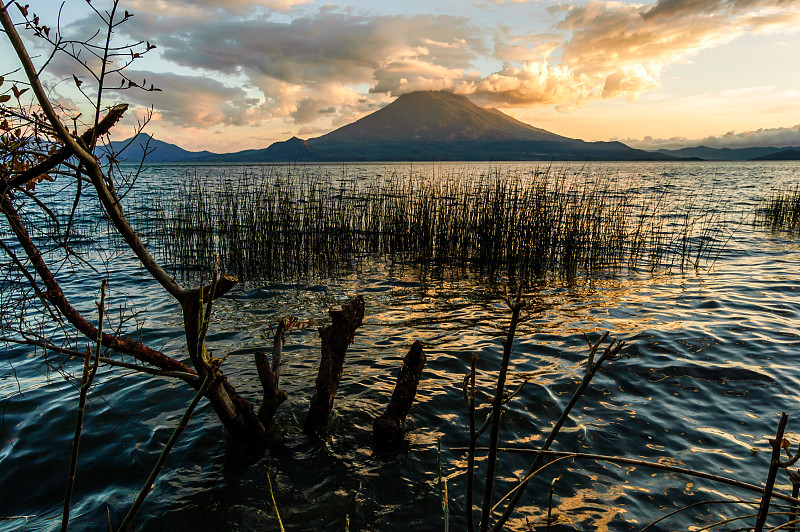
[[723, 154], [792, 154], [158, 151], [291, 150]]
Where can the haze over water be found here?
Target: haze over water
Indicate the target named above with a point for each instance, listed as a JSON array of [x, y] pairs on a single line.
[[713, 361]]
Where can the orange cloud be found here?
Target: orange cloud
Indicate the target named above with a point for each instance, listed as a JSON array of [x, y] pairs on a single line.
[[318, 69]]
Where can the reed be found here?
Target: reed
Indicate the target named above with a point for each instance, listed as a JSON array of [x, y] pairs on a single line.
[[781, 211], [289, 222]]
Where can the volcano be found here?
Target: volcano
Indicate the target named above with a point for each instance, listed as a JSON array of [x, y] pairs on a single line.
[[432, 125], [422, 126]]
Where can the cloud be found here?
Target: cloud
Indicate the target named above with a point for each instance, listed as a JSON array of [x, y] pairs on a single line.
[[678, 7], [607, 35], [781, 137], [612, 49], [324, 47], [765, 137], [319, 67], [312, 62], [193, 101], [317, 106], [187, 7]]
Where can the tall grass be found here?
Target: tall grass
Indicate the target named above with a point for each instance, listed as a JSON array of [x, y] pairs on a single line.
[[289, 222], [781, 211]]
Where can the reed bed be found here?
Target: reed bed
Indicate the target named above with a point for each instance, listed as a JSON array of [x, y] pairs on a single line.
[[289, 222], [780, 212]]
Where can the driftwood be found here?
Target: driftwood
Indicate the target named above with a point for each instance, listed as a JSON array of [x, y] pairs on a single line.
[[335, 339], [388, 427]]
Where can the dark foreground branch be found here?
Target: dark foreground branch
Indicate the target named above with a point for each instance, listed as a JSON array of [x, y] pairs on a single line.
[[89, 371], [56, 297], [774, 464], [190, 378], [148, 485], [64, 153], [609, 353]]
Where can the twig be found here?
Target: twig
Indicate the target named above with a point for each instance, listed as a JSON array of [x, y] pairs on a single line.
[[56, 297], [795, 478], [471, 452], [550, 502], [774, 464], [148, 485], [526, 479], [272, 495], [442, 486], [690, 506], [790, 523], [497, 407], [643, 463], [610, 352], [191, 378], [86, 383]]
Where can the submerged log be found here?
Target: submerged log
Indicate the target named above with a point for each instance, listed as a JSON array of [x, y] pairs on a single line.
[[388, 427], [335, 339]]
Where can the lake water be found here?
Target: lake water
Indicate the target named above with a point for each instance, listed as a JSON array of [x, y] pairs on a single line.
[[713, 361]]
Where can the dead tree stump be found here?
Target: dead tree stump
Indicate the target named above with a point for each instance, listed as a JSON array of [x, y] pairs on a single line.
[[335, 339], [388, 427], [270, 374]]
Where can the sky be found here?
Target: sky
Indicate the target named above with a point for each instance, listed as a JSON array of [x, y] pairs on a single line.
[[242, 74]]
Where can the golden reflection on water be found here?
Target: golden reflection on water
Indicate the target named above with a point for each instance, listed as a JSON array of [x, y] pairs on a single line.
[[586, 506]]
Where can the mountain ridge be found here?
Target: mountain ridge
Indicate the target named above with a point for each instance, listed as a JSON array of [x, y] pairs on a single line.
[[434, 125], [157, 151], [727, 154]]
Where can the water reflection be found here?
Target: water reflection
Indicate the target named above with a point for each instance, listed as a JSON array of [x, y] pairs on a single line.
[[712, 359]]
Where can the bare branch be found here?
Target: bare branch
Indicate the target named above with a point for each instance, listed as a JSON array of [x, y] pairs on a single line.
[[56, 297]]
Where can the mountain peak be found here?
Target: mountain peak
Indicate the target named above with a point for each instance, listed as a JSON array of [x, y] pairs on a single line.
[[436, 116]]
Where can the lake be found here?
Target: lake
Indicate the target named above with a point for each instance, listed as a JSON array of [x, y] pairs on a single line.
[[712, 362]]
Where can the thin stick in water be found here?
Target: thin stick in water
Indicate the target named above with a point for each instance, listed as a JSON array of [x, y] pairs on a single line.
[[86, 383], [148, 485]]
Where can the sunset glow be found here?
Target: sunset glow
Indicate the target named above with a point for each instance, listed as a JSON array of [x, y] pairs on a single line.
[[243, 74]]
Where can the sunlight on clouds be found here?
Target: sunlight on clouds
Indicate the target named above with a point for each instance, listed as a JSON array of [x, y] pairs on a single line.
[[327, 103], [315, 69], [764, 137], [630, 82], [613, 49], [414, 74], [534, 82]]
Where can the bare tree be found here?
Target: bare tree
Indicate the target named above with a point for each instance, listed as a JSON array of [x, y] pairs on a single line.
[[40, 144], [49, 160]]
